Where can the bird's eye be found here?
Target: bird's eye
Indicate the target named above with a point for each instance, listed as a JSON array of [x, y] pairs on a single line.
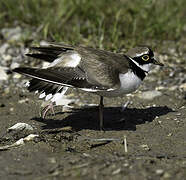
[[145, 57]]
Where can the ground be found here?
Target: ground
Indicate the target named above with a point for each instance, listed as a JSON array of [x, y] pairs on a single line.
[[71, 146]]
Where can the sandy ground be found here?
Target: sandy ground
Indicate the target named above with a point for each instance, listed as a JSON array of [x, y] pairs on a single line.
[[71, 146], [68, 146]]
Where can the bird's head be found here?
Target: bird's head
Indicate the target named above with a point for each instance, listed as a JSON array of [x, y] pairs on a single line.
[[143, 57]]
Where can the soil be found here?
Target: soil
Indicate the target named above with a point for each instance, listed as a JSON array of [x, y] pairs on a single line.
[[68, 145], [71, 146]]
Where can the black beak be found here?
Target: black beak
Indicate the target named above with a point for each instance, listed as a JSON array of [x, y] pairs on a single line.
[[156, 62]]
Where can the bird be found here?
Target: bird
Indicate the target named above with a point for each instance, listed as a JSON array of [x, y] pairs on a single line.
[[97, 71]]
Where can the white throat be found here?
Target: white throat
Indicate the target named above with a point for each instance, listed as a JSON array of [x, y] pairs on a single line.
[[145, 67]]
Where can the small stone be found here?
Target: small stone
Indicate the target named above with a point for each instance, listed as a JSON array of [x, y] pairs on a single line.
[[20, 127], [30, 137], [160, 88], [159, 171], [149, 95], [117, 171], [172, 88], [3, 48], [6, 57], [170, 134], [14, 65], [145, 147], [23, 101], [16, 76], [159, 122], [52, 160], [126, 164], [183, 86], [166, 175], [12, 34], [3, 75], [86, 155], [7, 90], [43, 43]]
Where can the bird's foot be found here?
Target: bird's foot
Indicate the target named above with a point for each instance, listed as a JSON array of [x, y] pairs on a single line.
[[102, 129], [46, 109], [123, 107]]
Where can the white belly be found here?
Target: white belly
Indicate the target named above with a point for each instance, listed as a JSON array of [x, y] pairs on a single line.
[[129, 83]]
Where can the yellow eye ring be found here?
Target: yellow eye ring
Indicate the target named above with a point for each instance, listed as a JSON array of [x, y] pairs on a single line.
[[145, 57]]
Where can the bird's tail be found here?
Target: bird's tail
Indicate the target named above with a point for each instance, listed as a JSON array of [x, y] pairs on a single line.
[[48, 52]]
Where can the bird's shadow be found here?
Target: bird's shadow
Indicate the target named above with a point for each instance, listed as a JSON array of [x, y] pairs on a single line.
[[114, 119]]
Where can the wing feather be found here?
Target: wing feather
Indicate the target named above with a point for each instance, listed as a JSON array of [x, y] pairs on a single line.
[[69, 77], [97, 69]]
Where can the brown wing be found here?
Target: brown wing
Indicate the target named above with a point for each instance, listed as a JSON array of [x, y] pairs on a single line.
[[103, 66], [49, 52], [70, 77]]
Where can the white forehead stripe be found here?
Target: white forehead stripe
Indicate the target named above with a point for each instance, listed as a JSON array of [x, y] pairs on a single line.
[[140, 54]]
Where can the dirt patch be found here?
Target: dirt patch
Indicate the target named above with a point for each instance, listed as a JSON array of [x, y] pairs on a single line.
[[154, 130], [70, 144]]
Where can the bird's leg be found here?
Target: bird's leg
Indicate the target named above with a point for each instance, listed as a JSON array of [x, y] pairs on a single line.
[[45, 110], [123, 107], [101, 106]]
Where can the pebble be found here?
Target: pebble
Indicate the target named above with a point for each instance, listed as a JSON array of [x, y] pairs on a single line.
[[19, 142], [145, 147], [160, 88], [173, 88], [14, 65], [149, 95], [6, 57], [183, 86], [20, 127], [117, 171], [159, 171], [7, 90], [16, 76], [3, 75], [13, 34], [23, 101], [166, 175], [3, 48], [30, 137]]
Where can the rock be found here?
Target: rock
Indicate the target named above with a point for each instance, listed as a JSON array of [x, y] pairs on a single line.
[[145, 147], [16, 76], [20, 127], [159, 171], [30, 137], [3, 48], [14, 65], [43, 43], [166, 175], [13, 34], [3, 75], [160, 88], [173, 88], [20, 142], [149, 95], [6, 57], [183, 86]]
